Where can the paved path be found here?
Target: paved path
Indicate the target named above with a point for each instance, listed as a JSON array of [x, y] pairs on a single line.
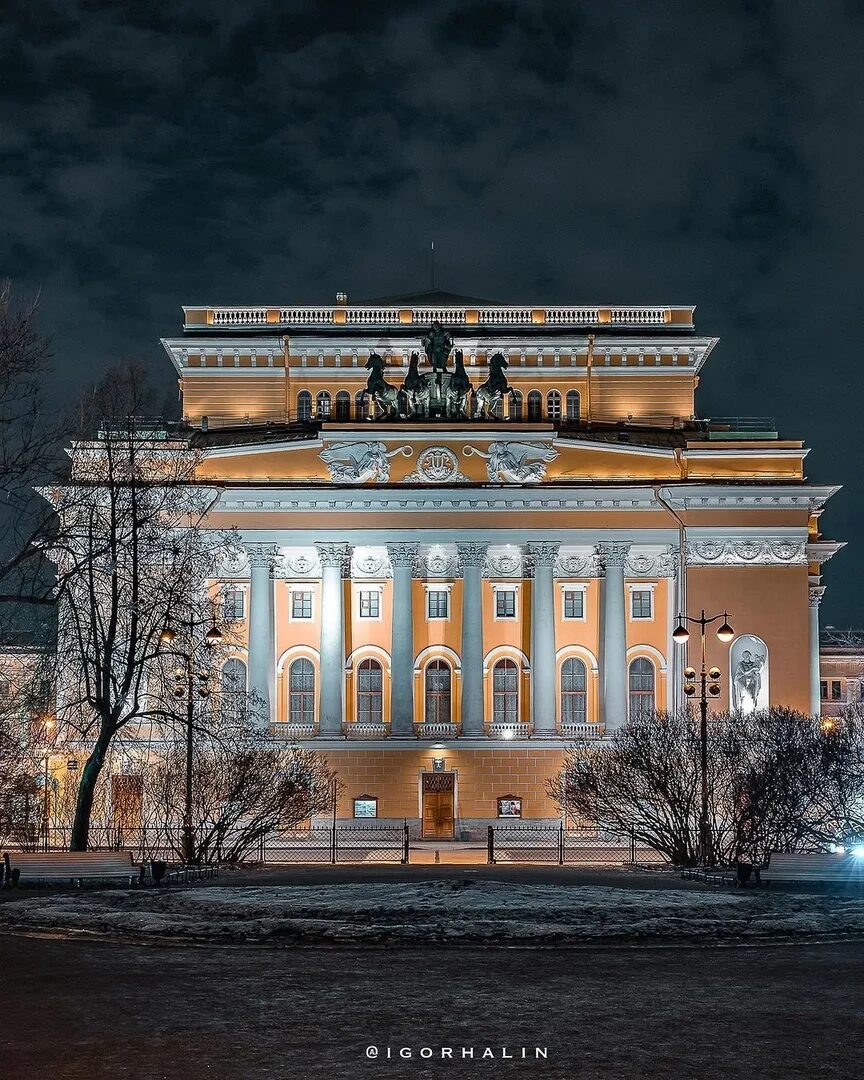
[[76, 1010]]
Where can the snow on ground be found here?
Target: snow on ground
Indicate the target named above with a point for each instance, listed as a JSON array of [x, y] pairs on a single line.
[[440, 912]]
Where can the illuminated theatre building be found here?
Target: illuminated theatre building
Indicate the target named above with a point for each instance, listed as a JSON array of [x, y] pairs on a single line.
[[450, 578]]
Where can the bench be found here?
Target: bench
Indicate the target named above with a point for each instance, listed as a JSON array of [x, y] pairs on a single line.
[[818, 868], [70, 867]]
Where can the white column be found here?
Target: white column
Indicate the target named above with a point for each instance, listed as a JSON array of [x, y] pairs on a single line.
[[334, 559], [614, 659], [402, 558], [543, 697], [471, 557], [677, 653], [816, 594], [262, 635]]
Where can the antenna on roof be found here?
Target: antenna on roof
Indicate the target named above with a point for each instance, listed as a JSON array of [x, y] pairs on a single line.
[[432, 266]]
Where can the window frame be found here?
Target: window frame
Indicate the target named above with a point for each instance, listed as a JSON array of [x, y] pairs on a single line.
[[569, 587], [507, 665], [233, 591], [438, 696], [438, 591], [570, 695], [298, 591], [641, 695], [499, 591], [369, 663], [370, 592], [305, 694], [641, 589]]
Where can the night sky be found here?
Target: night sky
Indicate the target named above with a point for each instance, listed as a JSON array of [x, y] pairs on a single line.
[[155, 154]]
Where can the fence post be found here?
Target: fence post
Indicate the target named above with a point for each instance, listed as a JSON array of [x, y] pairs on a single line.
[[632, 845], [262, 849], [406, 846], [333, 843], [490, 844], [561, 844]]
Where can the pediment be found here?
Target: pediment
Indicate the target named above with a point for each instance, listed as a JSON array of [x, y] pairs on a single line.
[[390, 456]]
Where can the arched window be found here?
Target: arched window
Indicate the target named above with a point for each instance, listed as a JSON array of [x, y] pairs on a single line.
[[516, 406], [574, 691], [437, 694], [641, 688], [572, 404], [304, 405], [370, 692], [233, 676], [322, 405], [535, 407], [505, 692], [553, 405], [361, 406], [301, 692], [343, 406]]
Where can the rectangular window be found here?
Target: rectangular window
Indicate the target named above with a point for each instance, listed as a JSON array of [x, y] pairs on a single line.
[[370, 604], [823, 689], [301, 605], [574, 603], [505, 604], [233, 605], [640, 604], [438, 604], [835, 689]]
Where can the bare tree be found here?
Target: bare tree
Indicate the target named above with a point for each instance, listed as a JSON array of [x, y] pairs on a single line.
[[245, 784], [768, 777], [132, 555]]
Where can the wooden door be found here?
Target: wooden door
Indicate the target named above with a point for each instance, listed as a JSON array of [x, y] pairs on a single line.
[[438, 792]]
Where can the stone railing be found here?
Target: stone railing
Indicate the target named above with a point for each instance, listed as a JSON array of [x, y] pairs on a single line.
[[508, 731], [436, 731], [294, 732], [365, 731], [581, 731], [503, 316]]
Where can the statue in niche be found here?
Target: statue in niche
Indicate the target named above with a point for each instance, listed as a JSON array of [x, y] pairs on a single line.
[[747, 681], [384, 394], [493, 390], [459, 390], [416, 389]]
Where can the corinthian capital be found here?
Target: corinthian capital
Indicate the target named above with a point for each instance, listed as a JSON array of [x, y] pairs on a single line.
[[402, 554], [816, 594], [613, 554], [261, 555], [543, 554], [333, 554], [471, 554]]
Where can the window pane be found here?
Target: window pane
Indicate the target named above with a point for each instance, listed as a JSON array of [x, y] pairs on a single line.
[[370, 604], [574, 604], [438, 603], [437, 697], [505, 603], [641, 688], [640, 600], [370, 683], [301, 605]]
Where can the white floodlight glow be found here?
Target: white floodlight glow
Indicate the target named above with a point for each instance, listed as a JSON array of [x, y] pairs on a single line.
[[858, 851]]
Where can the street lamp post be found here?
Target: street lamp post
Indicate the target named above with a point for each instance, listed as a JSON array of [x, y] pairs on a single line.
[[709, 685], [185, 681]]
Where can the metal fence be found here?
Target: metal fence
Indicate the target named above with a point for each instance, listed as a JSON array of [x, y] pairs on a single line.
[[324, 845], [557, 846], [339, 844]]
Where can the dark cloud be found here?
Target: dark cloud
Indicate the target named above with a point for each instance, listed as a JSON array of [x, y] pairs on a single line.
[[159, 154]]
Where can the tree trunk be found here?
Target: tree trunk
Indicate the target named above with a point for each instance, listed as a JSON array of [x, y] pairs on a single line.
[[86, 792]]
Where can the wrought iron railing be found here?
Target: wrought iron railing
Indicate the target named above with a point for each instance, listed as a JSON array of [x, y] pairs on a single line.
[[565, 847]]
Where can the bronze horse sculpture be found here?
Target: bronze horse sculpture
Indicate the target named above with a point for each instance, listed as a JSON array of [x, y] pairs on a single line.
[[493, 390], [384, 394]]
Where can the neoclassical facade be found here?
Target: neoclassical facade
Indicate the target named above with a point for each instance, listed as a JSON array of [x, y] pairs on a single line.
[[466, 532]]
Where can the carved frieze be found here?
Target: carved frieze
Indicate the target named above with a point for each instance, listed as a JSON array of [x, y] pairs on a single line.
[[746, 552], [438, 563], [368, 563], [300, 564], [437, 465], [362, 462], [505, 563], [515, 462]]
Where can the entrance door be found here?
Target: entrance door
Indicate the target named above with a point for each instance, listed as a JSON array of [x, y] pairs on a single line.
[[438, 791]]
